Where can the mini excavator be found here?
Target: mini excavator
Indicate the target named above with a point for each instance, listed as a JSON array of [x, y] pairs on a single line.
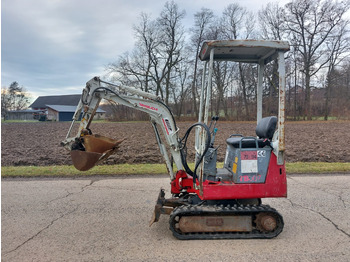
[[207, 202]]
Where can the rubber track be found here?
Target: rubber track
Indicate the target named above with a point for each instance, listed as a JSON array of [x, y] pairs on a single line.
[[202, 210]]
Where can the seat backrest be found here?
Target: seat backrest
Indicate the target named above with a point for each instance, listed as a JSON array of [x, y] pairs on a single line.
[[266, 127]]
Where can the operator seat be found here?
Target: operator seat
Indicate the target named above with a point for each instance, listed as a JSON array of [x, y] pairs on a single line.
[[264, 130]]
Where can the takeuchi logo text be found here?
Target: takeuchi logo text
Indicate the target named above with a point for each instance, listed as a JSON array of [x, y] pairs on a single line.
[[148, 107]]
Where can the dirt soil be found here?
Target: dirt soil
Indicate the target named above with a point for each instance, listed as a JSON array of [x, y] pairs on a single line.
[[38, 143]]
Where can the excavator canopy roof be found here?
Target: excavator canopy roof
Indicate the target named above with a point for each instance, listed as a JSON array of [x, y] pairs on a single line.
[[248, 51]]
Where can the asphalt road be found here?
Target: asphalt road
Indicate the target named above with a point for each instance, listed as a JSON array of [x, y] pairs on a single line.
[[106, 219]]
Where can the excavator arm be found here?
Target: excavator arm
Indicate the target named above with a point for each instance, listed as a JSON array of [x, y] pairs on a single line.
[[87, 150]]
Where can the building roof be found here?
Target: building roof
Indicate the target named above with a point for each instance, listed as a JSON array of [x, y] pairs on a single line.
[[25, 111], [64, 108], [68, 100]]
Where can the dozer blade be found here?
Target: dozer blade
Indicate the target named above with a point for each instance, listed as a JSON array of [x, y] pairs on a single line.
[[97, 148], [163, 206], [157, 208]]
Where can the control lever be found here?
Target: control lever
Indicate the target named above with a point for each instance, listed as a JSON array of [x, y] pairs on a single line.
[[215, 118], [213, 137]]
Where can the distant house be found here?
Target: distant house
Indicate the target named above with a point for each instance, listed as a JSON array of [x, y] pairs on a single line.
[[66, 100], [27, 114], [59, 108], [65, 113]]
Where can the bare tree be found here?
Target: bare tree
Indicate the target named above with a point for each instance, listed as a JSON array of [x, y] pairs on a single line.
[[237, 22], [14, 97], [172, 35], [312, 22], [271, 25], [159, 46], [271, 22], [232, 21], [221, 74], [182, 90], [339, 47], [202, 21], [148, 40], [135, 67], [316, 30]]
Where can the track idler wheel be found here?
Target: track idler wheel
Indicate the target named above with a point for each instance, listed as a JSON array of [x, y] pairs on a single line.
[[266, 222]]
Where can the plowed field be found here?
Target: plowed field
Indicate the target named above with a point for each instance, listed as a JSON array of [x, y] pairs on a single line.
[[39, 143]]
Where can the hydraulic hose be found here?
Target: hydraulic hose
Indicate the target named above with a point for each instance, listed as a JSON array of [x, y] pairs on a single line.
[[183, 141]]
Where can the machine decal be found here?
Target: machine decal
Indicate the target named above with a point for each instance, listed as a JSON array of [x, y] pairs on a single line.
[[167, 126], [148, 107], [234, 165], [249, 162], [253, 178], [261, 153], [167, 122]]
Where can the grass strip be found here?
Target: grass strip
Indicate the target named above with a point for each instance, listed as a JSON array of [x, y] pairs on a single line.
[[151, 169], [70, 171], [317, 167]]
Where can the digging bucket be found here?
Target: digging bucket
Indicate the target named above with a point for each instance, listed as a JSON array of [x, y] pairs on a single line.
[[92, 150]]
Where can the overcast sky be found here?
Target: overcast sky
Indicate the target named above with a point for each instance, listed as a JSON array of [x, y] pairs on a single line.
[[53, 47]]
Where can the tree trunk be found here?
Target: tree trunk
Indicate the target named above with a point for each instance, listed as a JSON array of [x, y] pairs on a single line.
[[244, 92], [308, 112], [326, 110]]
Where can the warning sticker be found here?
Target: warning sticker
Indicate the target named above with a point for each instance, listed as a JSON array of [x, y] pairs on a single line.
[[249, 162], [249, 155]]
